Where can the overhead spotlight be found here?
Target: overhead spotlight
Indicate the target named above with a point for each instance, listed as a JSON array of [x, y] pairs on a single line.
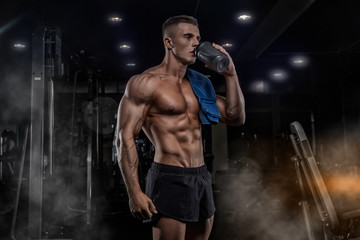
[[299, 61], [244, 17], [131, 64], [278, 75], [19, 45], [227, 45], [125, 46], [115, 19], [259, 86]]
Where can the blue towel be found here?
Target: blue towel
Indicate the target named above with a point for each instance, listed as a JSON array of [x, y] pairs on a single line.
[[205, 93]]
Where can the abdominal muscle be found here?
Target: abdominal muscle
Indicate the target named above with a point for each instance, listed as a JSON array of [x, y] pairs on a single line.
[[177, 139]]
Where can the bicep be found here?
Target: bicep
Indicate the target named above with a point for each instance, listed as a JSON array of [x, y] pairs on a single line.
[[131, 117], [134, 105]]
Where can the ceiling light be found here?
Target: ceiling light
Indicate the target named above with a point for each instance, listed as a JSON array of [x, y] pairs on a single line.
[[125, 46], [244, 17], [299, 61], [19, 45], [278, 75], [130, 64], [259, 86], [115, 19], [227, 45]]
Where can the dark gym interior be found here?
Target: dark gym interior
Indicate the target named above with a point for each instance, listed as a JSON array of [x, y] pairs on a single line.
[[64, 66]]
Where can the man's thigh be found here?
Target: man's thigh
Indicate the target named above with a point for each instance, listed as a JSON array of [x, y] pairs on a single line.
[[168, 229], [199, 230]]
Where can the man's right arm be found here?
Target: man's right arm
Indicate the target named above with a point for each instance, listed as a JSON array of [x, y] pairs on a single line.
[[131, 116]]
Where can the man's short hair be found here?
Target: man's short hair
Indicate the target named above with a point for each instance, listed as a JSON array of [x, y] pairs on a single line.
[[178, 19]]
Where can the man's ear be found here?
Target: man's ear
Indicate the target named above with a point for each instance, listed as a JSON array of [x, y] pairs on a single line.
[[168, 43]]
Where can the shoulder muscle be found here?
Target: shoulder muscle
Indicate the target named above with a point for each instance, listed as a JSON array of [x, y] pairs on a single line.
[[141, 88]]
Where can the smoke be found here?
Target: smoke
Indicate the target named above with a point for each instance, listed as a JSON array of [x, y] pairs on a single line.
[[339, 165], [15, 80], [251, 205], [64, 200], [345, 191]]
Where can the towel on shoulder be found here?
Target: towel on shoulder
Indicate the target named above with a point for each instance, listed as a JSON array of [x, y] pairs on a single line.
[[205, 93]]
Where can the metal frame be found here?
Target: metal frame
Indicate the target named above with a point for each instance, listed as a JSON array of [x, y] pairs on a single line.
[[36, 164], [46, 51], [44, 59]]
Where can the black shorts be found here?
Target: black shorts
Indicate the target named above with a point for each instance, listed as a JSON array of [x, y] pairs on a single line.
[[184, 194]]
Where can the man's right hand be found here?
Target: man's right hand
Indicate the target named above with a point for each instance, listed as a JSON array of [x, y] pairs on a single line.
[[141, 206]]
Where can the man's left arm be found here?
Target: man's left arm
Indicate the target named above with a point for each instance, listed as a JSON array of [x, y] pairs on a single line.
[[231, 107]]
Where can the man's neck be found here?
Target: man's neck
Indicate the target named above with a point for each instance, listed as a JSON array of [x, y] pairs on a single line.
[[174, 67]]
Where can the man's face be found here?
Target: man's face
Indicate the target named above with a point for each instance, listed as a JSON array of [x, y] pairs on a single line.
[[184, 40]]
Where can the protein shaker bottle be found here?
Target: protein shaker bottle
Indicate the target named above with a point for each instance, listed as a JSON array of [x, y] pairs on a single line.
[[212, 57]]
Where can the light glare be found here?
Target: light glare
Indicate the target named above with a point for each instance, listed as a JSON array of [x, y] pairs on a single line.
[[244, 17], [125, 46], [227, 45], [259, 86], [299, 61], [115, 19], [19, 45], [278, 75]]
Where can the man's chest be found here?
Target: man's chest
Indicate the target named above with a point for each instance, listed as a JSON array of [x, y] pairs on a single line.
[[173, 98]]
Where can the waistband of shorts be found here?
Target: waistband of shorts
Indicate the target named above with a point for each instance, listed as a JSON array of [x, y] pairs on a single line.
[[177, 170]]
